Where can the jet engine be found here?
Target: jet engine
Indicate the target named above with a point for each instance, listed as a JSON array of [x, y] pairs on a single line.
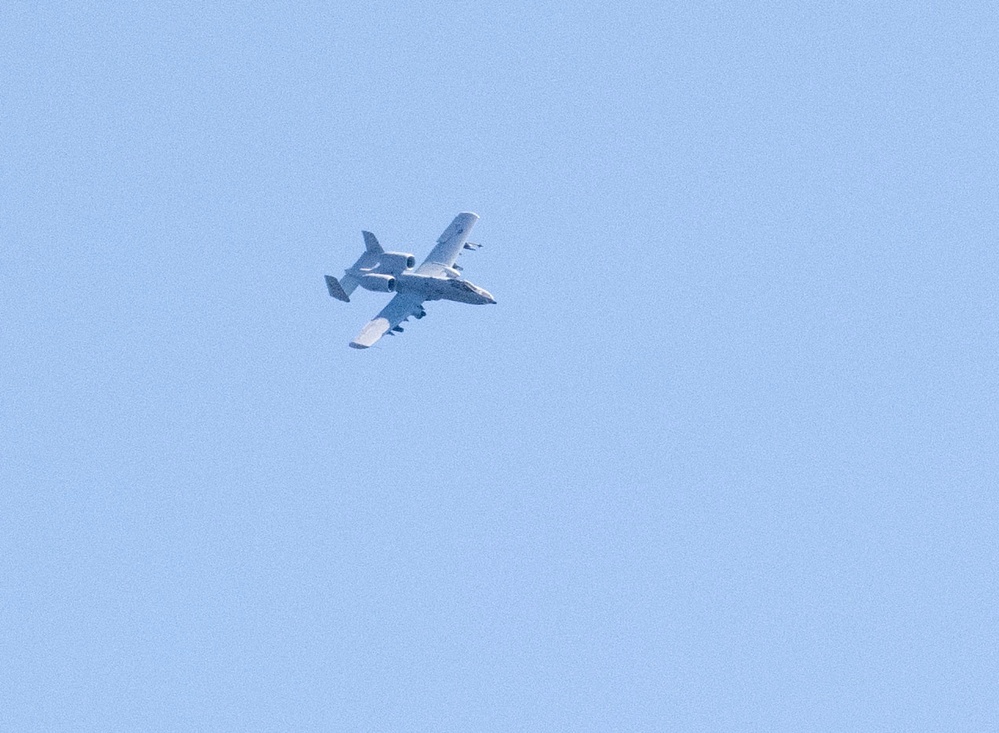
[[396, 261], [378, 283]]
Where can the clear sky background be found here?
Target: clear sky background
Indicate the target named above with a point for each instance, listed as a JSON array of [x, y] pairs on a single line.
[[723, 457]]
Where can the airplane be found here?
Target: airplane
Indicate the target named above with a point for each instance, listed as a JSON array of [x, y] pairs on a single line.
[[437, 278]]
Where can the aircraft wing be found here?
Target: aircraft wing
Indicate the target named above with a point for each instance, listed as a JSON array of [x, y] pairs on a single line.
[[398, 309], [449, 243]]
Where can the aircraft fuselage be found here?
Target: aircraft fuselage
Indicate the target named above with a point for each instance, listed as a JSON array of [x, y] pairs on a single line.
[[442, 288], [437, 278]]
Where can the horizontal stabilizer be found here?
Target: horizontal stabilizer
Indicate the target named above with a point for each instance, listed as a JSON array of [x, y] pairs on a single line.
[[336, 289]]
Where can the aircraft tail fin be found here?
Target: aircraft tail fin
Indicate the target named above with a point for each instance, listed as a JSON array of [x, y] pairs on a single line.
[[342, 288], [371, 243], [336, 289]]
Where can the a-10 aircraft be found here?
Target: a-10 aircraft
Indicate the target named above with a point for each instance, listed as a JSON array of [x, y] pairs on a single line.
[[438, 278]]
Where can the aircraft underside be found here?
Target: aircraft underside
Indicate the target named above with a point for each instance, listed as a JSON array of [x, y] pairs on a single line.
[[437, 278]]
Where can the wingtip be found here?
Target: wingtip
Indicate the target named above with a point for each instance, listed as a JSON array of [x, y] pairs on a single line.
[[355, 345]]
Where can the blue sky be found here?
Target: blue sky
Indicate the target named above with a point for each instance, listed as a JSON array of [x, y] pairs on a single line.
[[723, 457]]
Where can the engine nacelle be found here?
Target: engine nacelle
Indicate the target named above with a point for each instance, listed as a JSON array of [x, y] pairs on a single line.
[[378, 283], [396, 261]]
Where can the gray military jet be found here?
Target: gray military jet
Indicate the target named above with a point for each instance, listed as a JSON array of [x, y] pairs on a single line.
[[438, 278]]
